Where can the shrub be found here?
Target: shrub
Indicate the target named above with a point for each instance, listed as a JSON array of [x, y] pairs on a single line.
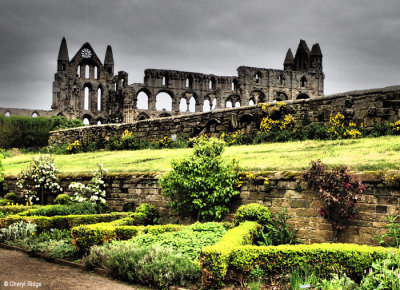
[[277, 232], [151, 213], [95, 191], [16, 209], [253, 212], [62, 249], [39, 178], [339, 191], [154, 266], [17, 231], [13, 197], [63, 199], [201, 185]]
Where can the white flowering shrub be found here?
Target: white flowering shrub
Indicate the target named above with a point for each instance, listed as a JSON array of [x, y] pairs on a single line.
[[95, 191], [39, 179]]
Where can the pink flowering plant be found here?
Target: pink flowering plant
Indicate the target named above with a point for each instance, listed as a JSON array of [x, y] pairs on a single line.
[[39, 180], [339, 191]]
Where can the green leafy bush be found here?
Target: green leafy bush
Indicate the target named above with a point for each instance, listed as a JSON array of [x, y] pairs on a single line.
[[129, 206], [154, 266], [151, 213], [13, 197], [17, 231], [202, 185], [63, 199], [277, 232], [188, 241], [253, 212]]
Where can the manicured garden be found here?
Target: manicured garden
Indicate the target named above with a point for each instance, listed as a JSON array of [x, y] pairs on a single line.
[[256, 247]]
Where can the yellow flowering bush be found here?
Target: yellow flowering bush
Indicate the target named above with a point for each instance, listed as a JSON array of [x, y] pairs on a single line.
[[392, 179], [335, 125], [165, 142], [126, 134], [267, 125], [287, 123], [74, 147], [395, 127], [352, 133]]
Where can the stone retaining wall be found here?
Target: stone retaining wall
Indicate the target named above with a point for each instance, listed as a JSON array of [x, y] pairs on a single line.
[[367, 107], [375, 204]]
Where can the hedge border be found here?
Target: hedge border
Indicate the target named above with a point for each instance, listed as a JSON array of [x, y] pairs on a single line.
[[62, 222], [214, 260], [86, 236]]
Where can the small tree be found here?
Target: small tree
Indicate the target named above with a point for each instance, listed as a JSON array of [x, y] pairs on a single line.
[[339, 191], [1, 174], [202, 184], [39, 179], [95, 191]]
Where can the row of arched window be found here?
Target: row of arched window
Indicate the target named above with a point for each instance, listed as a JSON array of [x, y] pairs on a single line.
[[212, 83], [86, 72], [86, 98]]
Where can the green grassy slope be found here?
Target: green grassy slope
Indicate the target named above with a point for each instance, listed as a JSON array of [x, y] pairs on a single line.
[[359, 154]]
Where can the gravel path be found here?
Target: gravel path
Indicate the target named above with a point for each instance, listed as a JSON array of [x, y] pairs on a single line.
[[19, 271]]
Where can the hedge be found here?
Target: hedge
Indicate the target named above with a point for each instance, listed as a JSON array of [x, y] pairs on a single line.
[[26, 132], [15, 209], [86, 236], [62, 222], [326, 258], [215, 259]]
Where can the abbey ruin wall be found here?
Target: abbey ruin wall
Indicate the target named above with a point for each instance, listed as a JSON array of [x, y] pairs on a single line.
[[367, 107]]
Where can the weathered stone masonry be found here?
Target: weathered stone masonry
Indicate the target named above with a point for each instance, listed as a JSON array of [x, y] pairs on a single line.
[[367, 107], [88, 89], [375, 204]]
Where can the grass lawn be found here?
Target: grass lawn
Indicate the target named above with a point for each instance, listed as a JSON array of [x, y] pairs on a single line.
[[359, 154]]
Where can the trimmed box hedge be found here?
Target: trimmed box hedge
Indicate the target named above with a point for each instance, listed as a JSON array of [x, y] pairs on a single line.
[[215, 259], [15, 209], [86, 236], [326, 258], [62, 222]]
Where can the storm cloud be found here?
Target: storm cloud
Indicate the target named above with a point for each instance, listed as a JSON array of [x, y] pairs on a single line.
[[359, 39]]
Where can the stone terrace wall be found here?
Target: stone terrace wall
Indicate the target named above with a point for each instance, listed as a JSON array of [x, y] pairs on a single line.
[[375, 205], [367, 107]]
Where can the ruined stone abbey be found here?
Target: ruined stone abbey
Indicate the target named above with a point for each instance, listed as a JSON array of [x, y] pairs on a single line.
[[86, 88]]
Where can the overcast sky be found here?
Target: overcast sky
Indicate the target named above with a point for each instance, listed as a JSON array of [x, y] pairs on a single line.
[[359, 39]]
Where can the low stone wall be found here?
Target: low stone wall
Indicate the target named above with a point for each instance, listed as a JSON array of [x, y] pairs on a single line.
[[367, 107], [284, 192]]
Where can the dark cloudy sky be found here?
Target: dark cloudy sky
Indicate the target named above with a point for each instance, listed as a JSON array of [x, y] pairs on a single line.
[[360, 39]]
